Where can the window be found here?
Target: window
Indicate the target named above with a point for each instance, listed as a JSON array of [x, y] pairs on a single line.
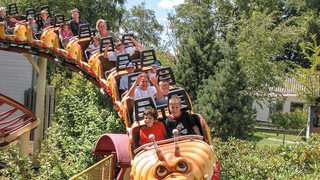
[[276, 106], [295, 105]]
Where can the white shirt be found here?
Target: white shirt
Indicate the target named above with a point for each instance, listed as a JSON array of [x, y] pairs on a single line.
[[123, 82], [113, 56], [149, 92]]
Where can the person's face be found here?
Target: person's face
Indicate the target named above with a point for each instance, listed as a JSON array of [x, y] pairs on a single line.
[[44, 16], [164, 89], [2, 14], [175, 109], [120, 48], [96, 42], [154, 69], [66, 27], [149, 120], [102, 26], [144, 83], [75, 15], [30, 20], [130, 70]]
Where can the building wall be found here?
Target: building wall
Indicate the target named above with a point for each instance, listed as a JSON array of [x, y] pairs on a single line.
[[263, 109], [15, 75]]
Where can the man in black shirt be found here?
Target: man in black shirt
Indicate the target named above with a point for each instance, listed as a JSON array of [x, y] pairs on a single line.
[[75, 21]]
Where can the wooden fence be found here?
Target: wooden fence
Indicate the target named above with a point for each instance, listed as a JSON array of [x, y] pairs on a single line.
[[262, 126], [30, 102]]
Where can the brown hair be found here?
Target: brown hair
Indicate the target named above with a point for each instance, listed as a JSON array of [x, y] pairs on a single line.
[[75, 10], [152, 112], [165, 83], [174, 100]]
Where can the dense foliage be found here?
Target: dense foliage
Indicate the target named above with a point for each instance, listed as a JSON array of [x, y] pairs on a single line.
[[245, 160], [262, 48], [82, 115], [138, 17]]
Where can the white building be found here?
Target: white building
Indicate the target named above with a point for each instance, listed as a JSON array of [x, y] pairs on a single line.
[[16, 74], [290, 101]]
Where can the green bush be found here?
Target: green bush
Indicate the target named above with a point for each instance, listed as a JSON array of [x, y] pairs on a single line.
[[82, 115], [16, 167], [293, 120], [245, 160]]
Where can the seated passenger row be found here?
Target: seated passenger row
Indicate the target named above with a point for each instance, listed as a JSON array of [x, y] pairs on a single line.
[[178, 119]]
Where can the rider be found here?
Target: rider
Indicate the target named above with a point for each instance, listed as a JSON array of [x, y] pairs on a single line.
[[75, 21]]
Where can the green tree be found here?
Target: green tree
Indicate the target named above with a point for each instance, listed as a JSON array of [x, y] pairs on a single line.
[[82, 115], [196, 52], [293, 120], [260, 40], [228, 106], [143, 24], [309, 78]]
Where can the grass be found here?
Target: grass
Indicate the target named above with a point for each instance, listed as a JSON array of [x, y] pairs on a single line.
[[274, 140]]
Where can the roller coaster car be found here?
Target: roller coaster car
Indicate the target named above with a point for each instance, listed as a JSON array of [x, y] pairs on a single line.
[[147, 57], [187, 157], [77, 45], [49, 37], [183, 157], [97, 62], [13, 12], [3, 34], [127, 104]]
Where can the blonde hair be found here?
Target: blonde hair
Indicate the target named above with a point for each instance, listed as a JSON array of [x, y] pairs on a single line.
[[99, 22], [2, 9], [44, 12], [174, 100]]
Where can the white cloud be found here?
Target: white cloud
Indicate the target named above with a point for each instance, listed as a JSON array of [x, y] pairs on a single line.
[[169, 3]]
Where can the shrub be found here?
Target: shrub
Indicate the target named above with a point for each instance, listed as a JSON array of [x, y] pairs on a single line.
[[245, 160]]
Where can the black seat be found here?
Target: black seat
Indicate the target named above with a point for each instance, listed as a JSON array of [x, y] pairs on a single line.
[[183, 95], [122, 61], [47, 8], [126, 40], [197, 121], [13, 9], [147, 57], [132, 78], [84, 31], [103, 43], [58, 20], [166, 74], [142, 104], [31, 12]]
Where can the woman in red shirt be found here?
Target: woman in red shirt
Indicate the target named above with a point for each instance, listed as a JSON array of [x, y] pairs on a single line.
[[152, 127]]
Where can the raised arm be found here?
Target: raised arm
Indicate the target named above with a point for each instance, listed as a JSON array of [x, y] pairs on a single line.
[[135, 43], [134, 86], [158, 94]]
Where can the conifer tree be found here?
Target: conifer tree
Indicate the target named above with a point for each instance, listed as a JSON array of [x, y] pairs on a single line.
[[197, 53], [223, 99]]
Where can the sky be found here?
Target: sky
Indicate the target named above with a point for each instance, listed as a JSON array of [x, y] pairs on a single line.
[[160, 7]]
